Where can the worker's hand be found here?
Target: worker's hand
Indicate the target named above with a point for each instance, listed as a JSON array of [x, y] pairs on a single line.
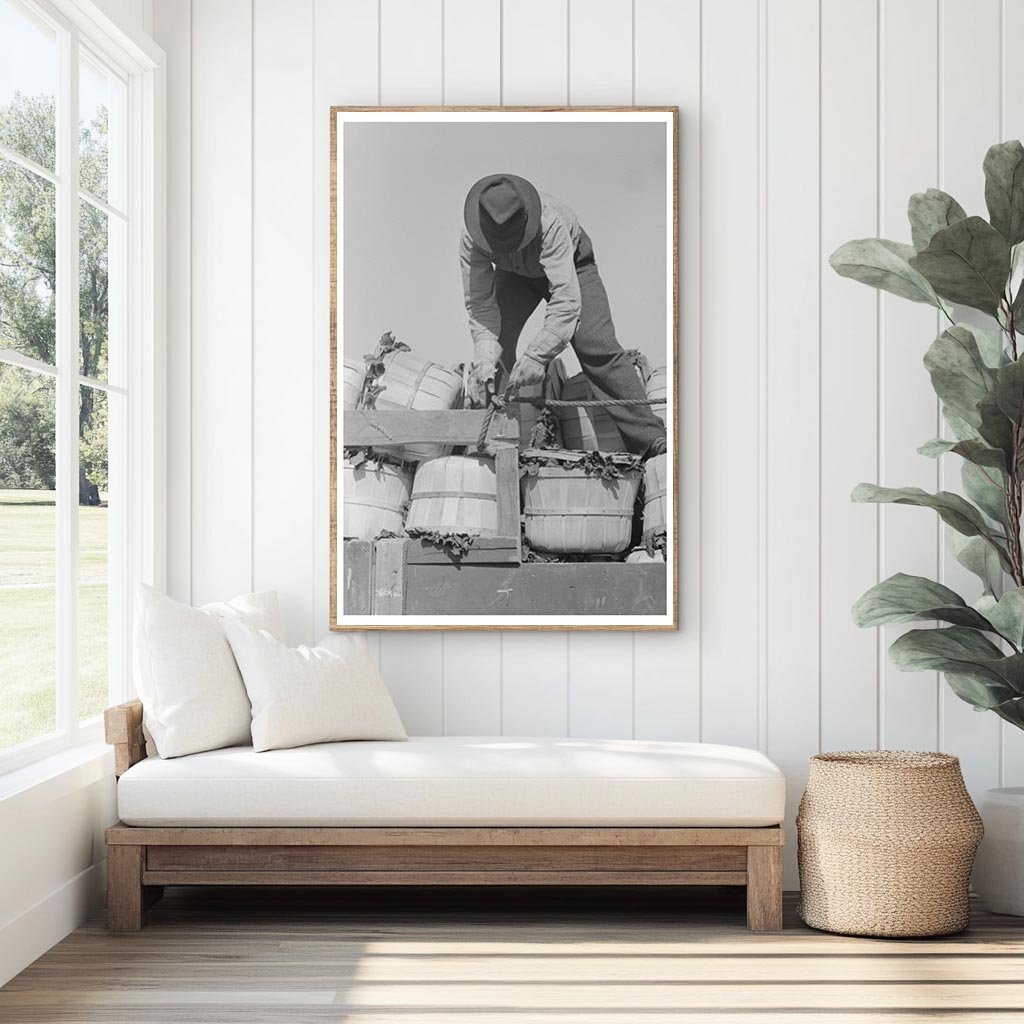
[[527, 371], [481, 383]]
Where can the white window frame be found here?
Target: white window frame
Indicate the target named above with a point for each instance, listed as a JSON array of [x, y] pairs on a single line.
[[140, 64]]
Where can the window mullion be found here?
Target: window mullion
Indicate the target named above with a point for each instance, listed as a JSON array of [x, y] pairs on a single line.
[[67, 386]]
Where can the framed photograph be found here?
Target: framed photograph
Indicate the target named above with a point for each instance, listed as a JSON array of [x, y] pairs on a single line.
[[504, 419]]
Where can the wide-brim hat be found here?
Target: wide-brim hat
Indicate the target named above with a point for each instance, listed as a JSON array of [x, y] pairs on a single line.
[[502, 213]]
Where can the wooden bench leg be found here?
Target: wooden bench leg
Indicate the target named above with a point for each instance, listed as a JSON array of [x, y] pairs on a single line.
[[764, 888], [125, 896]]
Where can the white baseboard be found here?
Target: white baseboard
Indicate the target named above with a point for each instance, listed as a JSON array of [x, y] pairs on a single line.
[[26, 937]]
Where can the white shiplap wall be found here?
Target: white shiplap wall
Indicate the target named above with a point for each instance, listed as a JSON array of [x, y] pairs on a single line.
[[804, 123]]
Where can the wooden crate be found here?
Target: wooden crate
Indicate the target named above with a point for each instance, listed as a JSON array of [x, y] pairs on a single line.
[[411, 577], [404, 576]]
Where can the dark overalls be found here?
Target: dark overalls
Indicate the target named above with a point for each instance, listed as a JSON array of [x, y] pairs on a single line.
[[609, 370]]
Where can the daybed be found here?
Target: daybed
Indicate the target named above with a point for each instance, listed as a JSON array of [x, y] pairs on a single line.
[[444, 811]]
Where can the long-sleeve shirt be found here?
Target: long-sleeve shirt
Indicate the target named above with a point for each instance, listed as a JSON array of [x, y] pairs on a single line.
[[559, 246]]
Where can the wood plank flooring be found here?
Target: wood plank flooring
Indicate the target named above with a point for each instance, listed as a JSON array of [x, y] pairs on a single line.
[[220, 956]]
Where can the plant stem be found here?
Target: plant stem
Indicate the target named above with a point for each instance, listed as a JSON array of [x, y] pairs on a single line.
[[1011, 331], [1012, 496]]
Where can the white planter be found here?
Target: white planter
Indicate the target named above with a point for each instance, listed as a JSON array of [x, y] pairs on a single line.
[[999, 867]]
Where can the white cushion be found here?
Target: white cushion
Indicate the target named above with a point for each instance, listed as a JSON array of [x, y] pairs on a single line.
[[309, 694], [192, 693], [458, 780]]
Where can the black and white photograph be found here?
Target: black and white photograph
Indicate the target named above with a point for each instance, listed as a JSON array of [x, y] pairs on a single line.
[[504, 338]]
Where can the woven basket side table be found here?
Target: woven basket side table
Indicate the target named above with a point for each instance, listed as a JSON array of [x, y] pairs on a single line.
[[886, 841]]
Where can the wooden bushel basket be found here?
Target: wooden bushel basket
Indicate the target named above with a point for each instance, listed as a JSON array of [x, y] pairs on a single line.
[[375, 496], [569, 512], [411, 383], [455, 494], [587, 430], [655, 492], [351, 383]]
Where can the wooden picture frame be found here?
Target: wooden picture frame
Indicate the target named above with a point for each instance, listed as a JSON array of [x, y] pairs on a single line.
[[389, 581]]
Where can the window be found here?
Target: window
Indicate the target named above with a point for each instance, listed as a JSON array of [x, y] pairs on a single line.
[[76, 337]]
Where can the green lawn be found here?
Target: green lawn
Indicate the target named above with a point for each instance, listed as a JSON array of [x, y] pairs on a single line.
[[28, 524]]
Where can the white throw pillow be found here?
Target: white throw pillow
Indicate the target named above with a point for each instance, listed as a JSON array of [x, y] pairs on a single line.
[[192, 693], [309, 694]]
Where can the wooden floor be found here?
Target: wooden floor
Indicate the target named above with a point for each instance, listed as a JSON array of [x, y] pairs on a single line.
[[269, 956]]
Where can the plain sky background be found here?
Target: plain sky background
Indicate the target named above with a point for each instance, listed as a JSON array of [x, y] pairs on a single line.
[[403, 193]]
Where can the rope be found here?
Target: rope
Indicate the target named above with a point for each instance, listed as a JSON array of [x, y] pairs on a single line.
[[590, 403], [498, 403], [495, 404]]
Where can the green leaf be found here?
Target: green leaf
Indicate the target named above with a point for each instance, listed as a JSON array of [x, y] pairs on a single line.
[[962, 430], [1009, 390], [952, 509], [977, 556], [1017, 308], [973, 451], [1006, 614], [929, 212], [1004, 189], [996, 428], [963, 652], [883, 264], [985, 487], [903, 598], [1011, 711], [958, 372], [983, 694], [990, 345], [1015, 285], [967, 263]]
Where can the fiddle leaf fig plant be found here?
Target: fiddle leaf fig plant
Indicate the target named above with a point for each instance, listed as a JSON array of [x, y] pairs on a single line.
[[977, 372]]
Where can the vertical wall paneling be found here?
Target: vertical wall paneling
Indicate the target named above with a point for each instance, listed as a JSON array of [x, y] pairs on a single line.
[[472, 52], [535, 701], [730, 275], [173, 28], [283, 338], [344, 53], [600, 685], [908, 102], [849, 369], [601, 670], [413, 665], [792, 416], [968, 125], [411, 58], [535, 51], [600, 52], [472, 684], [666, 666], [1011, 112], [221, 370], [472, 72]]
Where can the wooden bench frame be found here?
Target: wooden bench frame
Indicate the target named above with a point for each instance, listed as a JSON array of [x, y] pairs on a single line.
[[142, 860]]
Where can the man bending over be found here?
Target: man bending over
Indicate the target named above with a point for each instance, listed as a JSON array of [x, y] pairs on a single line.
[[520, 246]]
